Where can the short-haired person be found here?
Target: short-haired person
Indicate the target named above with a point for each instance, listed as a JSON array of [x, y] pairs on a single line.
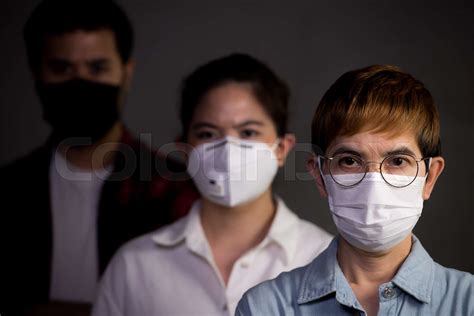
[[234, 116], [377, 157], [92, 186]]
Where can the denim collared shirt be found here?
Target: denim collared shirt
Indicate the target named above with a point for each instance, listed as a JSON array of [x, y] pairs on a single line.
[[420, 287]]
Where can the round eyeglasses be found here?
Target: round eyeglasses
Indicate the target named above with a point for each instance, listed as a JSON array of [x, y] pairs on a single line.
[[398, 170]]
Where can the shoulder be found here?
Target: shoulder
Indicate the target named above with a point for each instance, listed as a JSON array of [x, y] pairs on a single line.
[[155, 242], [157, 177], [304, 228], [132, 251], [162, 161], [286, 285], [308, 229], [30, 162], [311, 239], [455, 282], [26, 177], [138, 262], [273, 297], [453, 291]]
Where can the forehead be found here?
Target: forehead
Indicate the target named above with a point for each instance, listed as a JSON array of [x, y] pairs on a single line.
[[230, 104], [375, 144], [81, 45]]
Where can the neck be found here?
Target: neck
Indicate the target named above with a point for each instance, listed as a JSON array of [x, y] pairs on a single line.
[[244, 225], [366, 271], [361, 267], [232, 231], [98, 155]]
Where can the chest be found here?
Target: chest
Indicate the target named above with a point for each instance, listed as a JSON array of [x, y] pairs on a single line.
[[400, 303], [187, 283]]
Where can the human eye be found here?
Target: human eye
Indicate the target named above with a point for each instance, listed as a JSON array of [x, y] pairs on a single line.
[[59, 67], [98, 68], [400, 165], [348, 162], [249, 133], [205, 135], [400, 161]]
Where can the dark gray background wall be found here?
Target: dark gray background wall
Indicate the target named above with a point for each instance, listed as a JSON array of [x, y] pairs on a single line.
[[309, 43]]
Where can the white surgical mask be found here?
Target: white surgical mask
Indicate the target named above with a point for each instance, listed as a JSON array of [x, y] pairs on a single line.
[[231, 171], [373, 215]]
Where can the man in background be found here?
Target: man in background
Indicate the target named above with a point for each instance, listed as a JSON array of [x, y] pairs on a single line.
[[91, 187]]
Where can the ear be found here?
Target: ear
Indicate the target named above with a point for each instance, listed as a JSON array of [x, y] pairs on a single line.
[[436, 167], [313, 168], [285, 145], [129, 71]]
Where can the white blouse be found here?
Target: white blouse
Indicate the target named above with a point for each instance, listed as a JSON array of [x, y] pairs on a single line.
[[172, 271]]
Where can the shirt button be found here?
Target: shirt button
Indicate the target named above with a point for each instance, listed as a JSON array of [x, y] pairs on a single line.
[[388, 292], [244, 265], [224, 308]]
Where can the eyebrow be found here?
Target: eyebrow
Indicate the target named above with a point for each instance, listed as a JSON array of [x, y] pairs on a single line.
[[250, 122], [98, 61], [202, 125], [55, 60], [346, 150], [209, 125], [403, 150]]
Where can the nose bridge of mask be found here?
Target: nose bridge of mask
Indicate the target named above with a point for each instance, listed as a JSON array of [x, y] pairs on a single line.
[[206, 163], [219, 171]]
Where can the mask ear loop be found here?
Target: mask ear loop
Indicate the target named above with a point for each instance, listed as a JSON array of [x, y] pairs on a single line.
[[277, 143], [318, 161], [428, 165]]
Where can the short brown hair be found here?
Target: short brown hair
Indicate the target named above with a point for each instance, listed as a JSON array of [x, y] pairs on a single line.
[[379, 98]]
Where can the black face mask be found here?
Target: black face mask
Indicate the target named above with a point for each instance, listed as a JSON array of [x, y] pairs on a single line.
[[79, 108]]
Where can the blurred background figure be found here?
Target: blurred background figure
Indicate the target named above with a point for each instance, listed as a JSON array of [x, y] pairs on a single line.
[[91, 186], [234, 113]]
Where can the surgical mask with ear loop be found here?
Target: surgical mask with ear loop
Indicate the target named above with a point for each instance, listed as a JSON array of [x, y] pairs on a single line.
[[373, 215], [231, 171]]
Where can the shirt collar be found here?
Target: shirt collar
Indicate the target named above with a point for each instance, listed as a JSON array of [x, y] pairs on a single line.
[[416, 275], [186, 227], [283, 231], [324, 276], [320, 278]]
